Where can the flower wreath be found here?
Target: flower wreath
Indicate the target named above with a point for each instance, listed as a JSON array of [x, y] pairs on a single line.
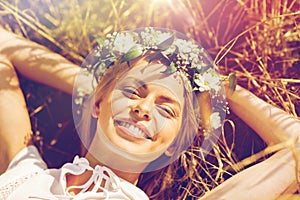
[[181, 54]]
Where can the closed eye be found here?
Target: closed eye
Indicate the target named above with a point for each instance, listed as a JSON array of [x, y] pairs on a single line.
[[166, 111], [131, 92]]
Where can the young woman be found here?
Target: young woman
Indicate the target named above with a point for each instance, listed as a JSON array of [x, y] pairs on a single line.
[[139, 118], [139, 123]]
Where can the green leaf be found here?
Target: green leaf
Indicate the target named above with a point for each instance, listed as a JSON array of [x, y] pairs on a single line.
[[232, 82], [170, 69], [134, 52], [99, 40], [166, 44]]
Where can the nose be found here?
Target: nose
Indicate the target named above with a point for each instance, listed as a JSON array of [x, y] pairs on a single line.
[[142, 109]]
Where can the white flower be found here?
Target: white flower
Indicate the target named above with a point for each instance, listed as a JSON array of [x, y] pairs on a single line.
[[153, 38], [183, 56], [170, 50], [194, 57], [101, 69], [162, 37], [215, 120], [185, 46], [78, 100], [201, 83], [123, 42], [212, 79]]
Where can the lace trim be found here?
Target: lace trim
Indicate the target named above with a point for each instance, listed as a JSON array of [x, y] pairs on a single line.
[[9, 188]]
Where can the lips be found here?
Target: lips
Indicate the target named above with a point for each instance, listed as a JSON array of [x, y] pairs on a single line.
[[134, 129]]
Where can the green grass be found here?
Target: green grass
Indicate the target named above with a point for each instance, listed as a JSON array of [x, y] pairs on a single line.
[[256, 39]]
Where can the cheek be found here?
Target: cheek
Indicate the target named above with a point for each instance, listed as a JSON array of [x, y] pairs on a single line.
[[119, 103], [105, 113], [170, 130]]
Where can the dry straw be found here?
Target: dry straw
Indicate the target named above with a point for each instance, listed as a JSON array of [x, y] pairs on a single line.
[[256, 39]]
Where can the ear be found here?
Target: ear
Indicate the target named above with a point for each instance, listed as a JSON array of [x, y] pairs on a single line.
[[96, 110]]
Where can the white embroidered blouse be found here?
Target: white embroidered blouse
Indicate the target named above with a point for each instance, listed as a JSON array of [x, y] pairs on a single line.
[[27, 177]]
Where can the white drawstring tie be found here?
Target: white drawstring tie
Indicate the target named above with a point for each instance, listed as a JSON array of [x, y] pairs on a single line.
[[102, 184], [100, 175]]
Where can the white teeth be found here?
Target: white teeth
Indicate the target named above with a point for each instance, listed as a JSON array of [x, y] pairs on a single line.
[[135, 130]]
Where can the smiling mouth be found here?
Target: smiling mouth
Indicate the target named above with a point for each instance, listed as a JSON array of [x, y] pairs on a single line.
[[133, 130]]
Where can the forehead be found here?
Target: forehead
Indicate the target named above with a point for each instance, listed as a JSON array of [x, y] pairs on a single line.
[[152, 74]]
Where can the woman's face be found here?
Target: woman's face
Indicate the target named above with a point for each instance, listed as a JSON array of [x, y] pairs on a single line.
[[143, 113]]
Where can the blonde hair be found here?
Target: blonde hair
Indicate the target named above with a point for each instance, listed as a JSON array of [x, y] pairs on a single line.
[[160, 183]]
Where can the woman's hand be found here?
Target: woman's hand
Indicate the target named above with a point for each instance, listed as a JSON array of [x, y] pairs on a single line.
[[37, 62]]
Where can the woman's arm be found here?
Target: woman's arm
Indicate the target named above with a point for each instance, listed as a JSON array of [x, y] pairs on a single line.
[[37, 62], [272, 124], [267, 180], [277, 174]]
